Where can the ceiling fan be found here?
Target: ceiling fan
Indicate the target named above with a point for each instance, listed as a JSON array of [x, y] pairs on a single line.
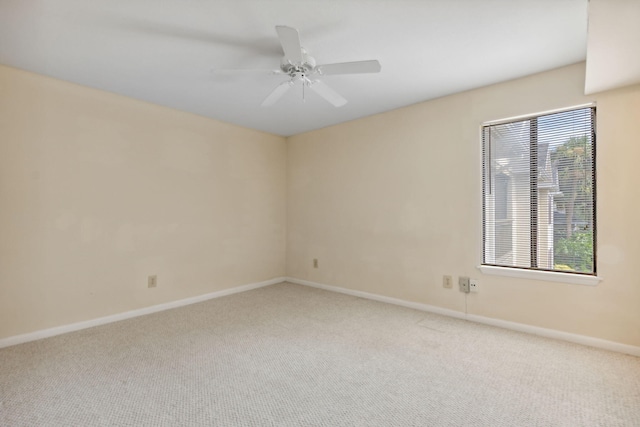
[[299, 66]]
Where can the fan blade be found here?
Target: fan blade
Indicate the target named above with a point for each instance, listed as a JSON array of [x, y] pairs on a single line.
[[290, 41], [327, 93], [277, 93], [357, 67]]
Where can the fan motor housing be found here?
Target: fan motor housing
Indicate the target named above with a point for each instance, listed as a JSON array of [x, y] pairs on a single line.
[[305, 67]]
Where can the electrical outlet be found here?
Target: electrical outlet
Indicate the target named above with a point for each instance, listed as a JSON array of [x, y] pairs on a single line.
[[315, 263], [152, 281], [463, 282], [474, 286], [447, 282]]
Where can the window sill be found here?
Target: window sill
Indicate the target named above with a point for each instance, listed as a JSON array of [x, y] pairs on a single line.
[[549, 276]]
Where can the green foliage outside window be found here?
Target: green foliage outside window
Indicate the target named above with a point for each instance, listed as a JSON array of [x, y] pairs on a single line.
[[573, 241], [575, 253]]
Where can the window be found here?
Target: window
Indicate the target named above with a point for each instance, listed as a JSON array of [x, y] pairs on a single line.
[[539, 193]]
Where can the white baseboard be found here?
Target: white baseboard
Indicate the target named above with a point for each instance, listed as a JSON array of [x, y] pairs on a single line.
[[521, 327], [381, 298], [58, 330], [505, 324]]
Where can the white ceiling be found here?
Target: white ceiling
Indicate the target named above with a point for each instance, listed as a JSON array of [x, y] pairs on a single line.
[[163, 51]]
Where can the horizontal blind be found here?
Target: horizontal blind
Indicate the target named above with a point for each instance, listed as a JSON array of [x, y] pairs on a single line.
[[539, 192]]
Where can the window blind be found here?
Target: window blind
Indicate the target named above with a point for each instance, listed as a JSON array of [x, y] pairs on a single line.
[[539, 193]]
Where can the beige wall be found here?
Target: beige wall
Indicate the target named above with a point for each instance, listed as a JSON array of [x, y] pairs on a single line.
[[97, 191], [390, 203]]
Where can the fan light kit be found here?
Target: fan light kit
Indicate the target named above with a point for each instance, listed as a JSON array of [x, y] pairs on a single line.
[[299, 66]]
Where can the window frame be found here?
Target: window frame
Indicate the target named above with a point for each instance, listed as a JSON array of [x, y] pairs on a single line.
[[571, 277]]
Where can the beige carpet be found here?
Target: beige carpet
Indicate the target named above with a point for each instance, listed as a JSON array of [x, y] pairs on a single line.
[[288, 355]]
